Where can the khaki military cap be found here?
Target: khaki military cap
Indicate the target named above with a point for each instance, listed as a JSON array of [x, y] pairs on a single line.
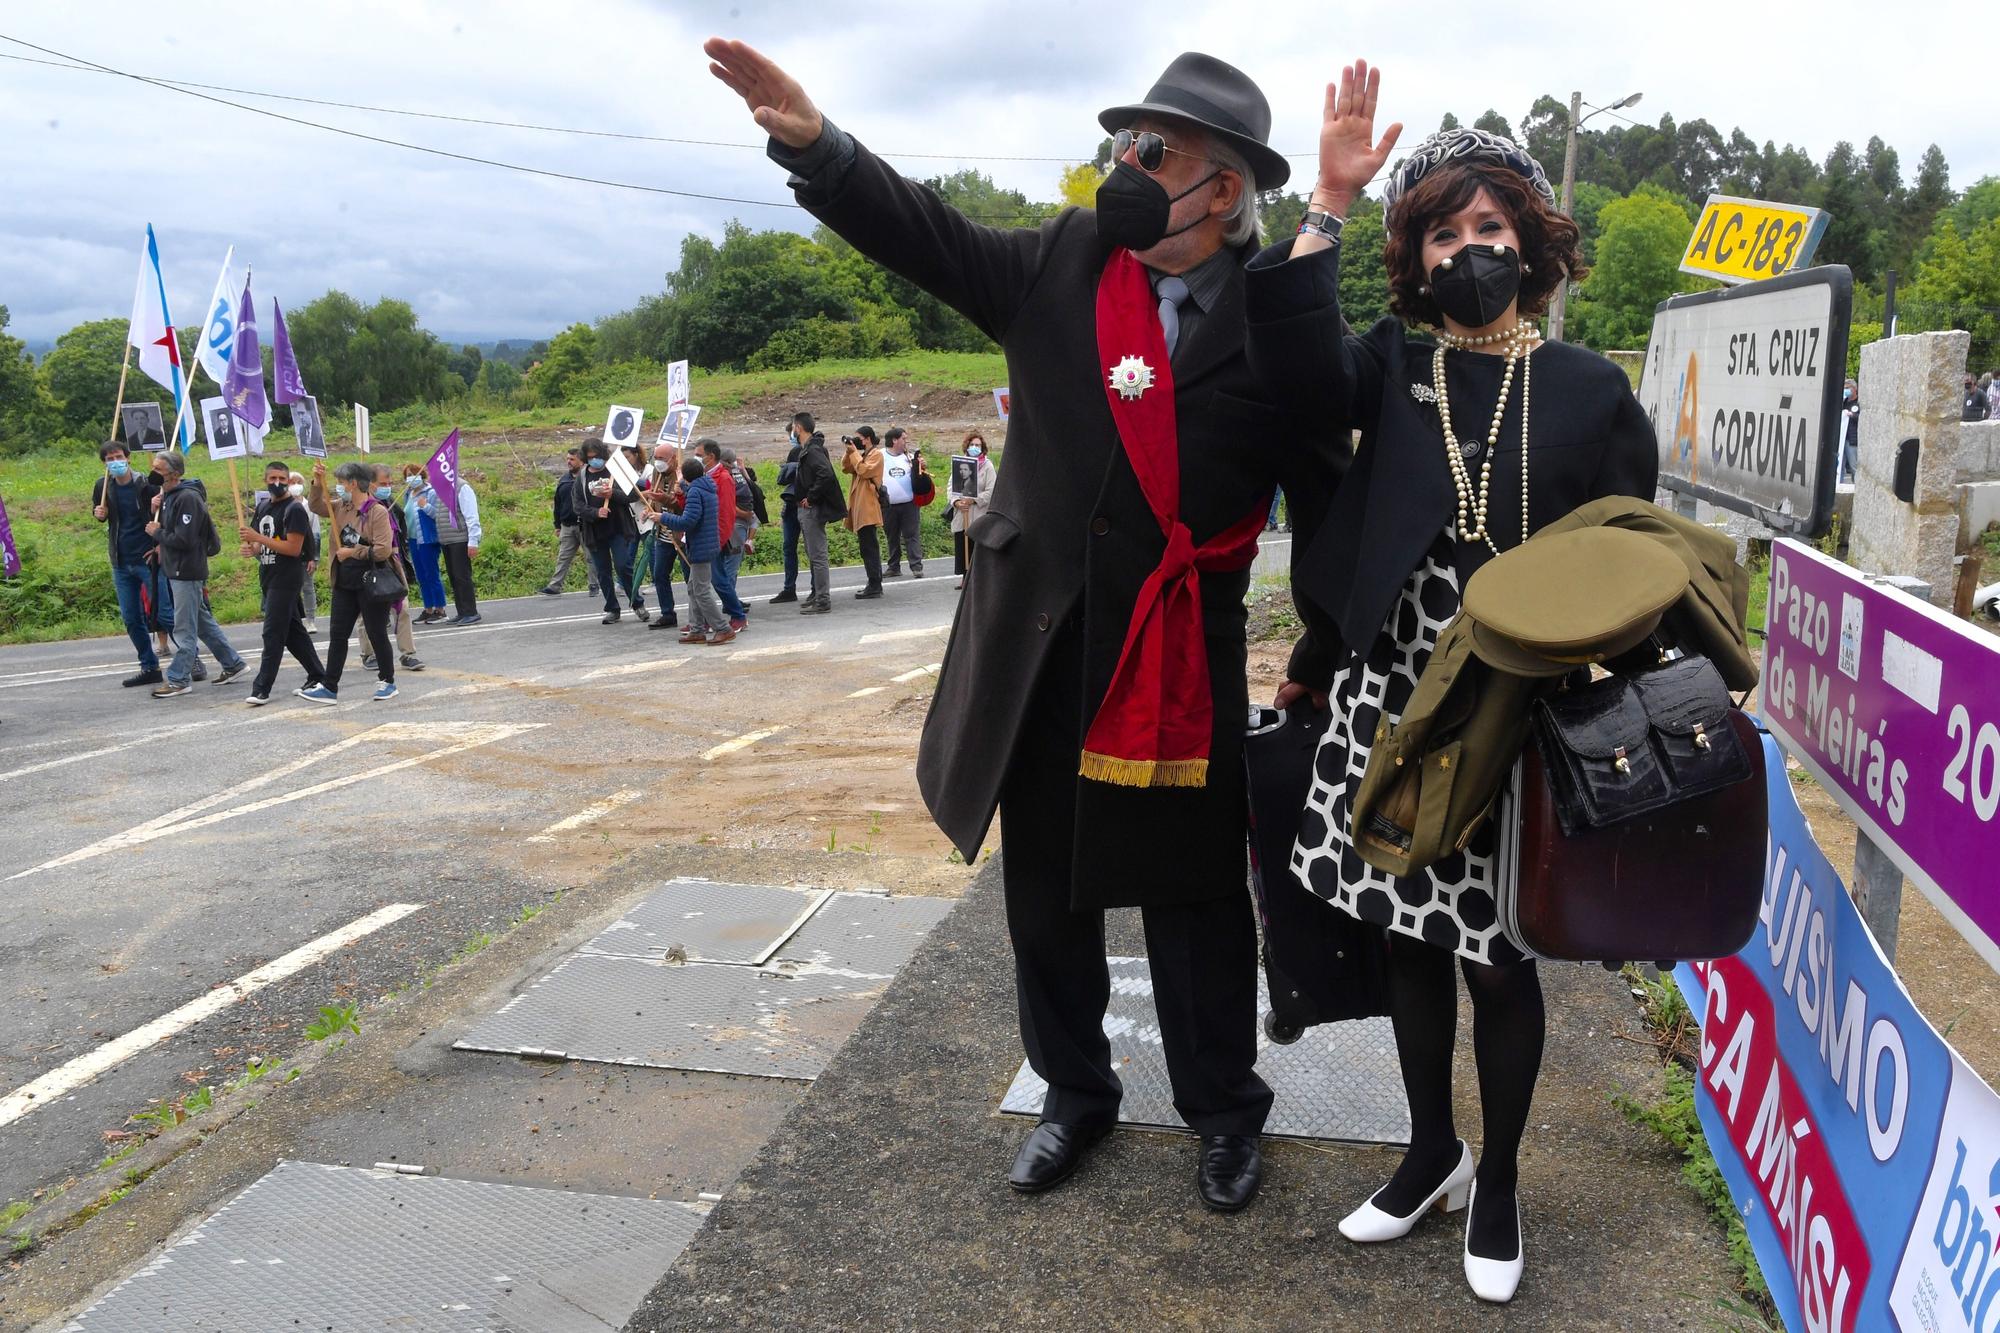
[[1563, 601]]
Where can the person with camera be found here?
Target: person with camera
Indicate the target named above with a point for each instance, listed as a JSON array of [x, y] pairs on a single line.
[[902, 516], [820, 504], [609, 531], [863, 462], [362, 540]]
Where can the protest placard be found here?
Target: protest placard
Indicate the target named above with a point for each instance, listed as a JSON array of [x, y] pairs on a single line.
[[964, 477], [307, 426], [219, 429], [1003, 401], [144, 425], [621, 425], [677, 383], [677, 426]]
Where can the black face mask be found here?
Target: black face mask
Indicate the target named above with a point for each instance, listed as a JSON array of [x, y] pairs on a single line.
[[1133, 209], [1476, 285]]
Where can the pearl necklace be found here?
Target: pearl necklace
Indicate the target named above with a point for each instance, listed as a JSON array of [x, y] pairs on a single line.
[[1518, 342]]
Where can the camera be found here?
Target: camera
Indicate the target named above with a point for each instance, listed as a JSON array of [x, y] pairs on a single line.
[[849, 439]]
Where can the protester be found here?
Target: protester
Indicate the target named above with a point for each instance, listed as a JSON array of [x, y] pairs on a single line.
[[187, 540], [902, 516], [1975, 406], [1105, 799], [124, 504], [569, 541], [965, 512], [728, 557], [739, 539], [310, 594], [609, 532], [1476, 246], [458, 536], [662, 492], [406, 640], [1991, 379], [1850, 431], [421, 532], [798, 431], [863, 462], [280, 534], [820, 503], [362, 539], [699, 523]]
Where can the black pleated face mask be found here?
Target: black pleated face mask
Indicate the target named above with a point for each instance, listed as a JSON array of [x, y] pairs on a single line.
[[1134, 210], [1477, 284]]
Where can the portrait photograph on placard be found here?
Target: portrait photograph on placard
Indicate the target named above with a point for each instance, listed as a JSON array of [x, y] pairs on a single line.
[[621, 425], [307, 425], [964, 477], [145, 426], [677, 426], [220, 429]]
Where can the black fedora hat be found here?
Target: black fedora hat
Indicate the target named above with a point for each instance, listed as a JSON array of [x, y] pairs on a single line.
[[1222, 100]]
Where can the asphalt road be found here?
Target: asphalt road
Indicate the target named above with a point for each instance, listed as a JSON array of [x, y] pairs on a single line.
[[160, 850]]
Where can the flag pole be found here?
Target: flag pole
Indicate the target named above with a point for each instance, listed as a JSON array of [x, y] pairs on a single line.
[[124, 368]]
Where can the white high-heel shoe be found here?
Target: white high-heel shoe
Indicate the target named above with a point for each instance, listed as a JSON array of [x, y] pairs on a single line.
[[1495, 1280], [1369, 1224]]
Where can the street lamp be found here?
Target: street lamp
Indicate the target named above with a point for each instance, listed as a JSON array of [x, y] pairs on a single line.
[[1576, 119]]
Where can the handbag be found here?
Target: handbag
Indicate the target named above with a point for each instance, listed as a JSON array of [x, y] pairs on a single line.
[[381, 585], [1660, 858], [923, 488]]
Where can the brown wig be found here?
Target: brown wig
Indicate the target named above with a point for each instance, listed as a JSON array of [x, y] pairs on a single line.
[[1549, 240]]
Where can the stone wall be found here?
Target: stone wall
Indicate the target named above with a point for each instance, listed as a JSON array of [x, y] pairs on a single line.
[[1910, 389]]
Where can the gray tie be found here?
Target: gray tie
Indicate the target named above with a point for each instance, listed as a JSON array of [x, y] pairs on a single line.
[[1171, 291]]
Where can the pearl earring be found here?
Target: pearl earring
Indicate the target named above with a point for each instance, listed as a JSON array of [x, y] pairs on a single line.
[[1527, 268], [1446, 263], [1424, 289]]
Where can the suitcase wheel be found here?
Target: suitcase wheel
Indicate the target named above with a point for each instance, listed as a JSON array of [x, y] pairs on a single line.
[[1282, 1033]]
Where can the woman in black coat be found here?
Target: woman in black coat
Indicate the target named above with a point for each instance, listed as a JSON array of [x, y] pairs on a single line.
[[1475, 433]]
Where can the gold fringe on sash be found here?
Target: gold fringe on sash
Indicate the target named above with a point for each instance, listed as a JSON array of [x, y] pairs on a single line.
[[1144, 772]]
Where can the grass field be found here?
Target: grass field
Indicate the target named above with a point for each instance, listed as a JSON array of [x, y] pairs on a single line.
[[64, 590]]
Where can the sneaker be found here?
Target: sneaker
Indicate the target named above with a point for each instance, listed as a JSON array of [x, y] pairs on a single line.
[[815, 609], [152, 677], [665, 622], [717, 640], [788, 595], [916, 571], [868, 594], [893, 574], [472, 619], [318, 694], [386, 690], [257, 700], [643, 614], [410, 662], [552, 592], [312, 625], [368, 661], [610, 618], [737, 624], [231, 673], [168, 690]]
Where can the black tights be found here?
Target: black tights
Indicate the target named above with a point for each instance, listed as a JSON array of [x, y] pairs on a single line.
[[1508, 1025]]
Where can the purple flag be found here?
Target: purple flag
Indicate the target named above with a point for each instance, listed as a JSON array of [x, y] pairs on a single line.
[[443, 473], [244, 386], [10, 559], [287, 385]]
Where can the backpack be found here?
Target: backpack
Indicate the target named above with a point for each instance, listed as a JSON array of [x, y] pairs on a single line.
[[211, 540]]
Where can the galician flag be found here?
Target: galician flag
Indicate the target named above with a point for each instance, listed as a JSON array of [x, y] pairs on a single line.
[[244, 387], [152, 332], [287, 385], [218, 330]]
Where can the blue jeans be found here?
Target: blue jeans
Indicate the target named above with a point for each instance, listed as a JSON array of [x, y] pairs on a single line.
[[424, 555], [725, 565], [664, 558], [792, 534], [135, 583], [196, 621]]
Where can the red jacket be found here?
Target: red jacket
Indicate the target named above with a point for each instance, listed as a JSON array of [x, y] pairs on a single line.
[[725, 495]]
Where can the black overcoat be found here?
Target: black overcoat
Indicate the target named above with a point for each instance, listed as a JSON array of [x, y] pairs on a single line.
[[1069, 539]]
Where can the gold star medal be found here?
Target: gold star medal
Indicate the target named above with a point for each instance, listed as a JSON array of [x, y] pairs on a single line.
[[1131, 377]]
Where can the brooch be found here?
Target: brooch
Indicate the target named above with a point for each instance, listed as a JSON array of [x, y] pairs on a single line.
[[1131, 377], [1423, 393]]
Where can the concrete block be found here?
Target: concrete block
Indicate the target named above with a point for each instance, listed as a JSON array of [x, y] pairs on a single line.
[[1978, 509]]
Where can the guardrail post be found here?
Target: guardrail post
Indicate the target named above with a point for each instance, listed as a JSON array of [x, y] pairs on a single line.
[[1878, 892]]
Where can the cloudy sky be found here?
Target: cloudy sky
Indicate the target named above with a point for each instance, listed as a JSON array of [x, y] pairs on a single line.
[[88, 159]]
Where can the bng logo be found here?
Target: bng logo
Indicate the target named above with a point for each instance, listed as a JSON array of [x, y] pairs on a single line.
[[1968, 1224]]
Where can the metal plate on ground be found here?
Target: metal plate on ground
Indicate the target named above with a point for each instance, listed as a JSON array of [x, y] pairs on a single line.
[[700, 1016], [1339, 1082], [349, 1248], [707, 922], [866, 932]]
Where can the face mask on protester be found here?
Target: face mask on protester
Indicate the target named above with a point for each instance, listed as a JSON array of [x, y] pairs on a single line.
[[1476, 285], [975, 450], [1133, 209], [339, 491], [279, 491], [296, 489], [596, 465], [414, 482], [119, 467], [384, 491]]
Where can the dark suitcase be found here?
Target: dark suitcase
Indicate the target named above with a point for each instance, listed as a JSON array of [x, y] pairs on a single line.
[[1323, 966], [1680, 884]]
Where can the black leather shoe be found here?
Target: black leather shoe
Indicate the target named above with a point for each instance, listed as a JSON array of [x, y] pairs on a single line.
[[1232, 1166], [787, 595], [1051, 1155], [868, 593], [143, 678]]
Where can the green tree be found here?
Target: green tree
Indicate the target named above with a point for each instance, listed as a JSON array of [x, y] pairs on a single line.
[[351, 353], [1364, 283], [1638, 265], [1957, 286], [28, 416], [1846, 193], [1077, 185], [497, 378], [81, 375], [1281, 213], [1494, 123], [1928, 196], [464, 363], [571, 353]]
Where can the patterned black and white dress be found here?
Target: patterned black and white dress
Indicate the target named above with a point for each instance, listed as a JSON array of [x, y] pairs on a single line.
[[1450, 903]]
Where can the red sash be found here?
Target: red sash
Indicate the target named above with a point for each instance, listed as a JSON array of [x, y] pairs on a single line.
[[1153, 728]]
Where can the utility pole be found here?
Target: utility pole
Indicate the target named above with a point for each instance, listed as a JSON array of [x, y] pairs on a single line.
[[1557, 310]]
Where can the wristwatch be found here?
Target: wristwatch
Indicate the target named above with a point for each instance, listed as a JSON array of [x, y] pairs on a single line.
[[1322, 224]]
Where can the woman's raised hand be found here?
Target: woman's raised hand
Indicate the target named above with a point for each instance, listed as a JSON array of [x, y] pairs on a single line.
[[776, 101], [1349, 156]]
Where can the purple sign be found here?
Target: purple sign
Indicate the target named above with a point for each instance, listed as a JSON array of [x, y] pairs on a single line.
[[287, 385], [1892, 705], [443, 473], [10, 558]]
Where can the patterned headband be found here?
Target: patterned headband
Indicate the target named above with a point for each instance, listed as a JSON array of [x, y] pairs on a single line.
[[1468, 146]]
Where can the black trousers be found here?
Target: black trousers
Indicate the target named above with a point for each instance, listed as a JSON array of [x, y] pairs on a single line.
[[1203, 955], [285, 629], [458, 568], [348, 606], [904, 526], [870, 541]]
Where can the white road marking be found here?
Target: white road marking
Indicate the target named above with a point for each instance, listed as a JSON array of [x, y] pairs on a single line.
[[634, 668], [775, 650], [864, 692], [740, 743], [73, 1074], [61, 670], [889, 636], [109, 749], [188, 817], [909, 676], [588, 815], [64, 678], [461, 632]]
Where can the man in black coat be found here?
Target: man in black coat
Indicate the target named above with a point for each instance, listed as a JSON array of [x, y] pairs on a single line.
[[1068, 544]]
